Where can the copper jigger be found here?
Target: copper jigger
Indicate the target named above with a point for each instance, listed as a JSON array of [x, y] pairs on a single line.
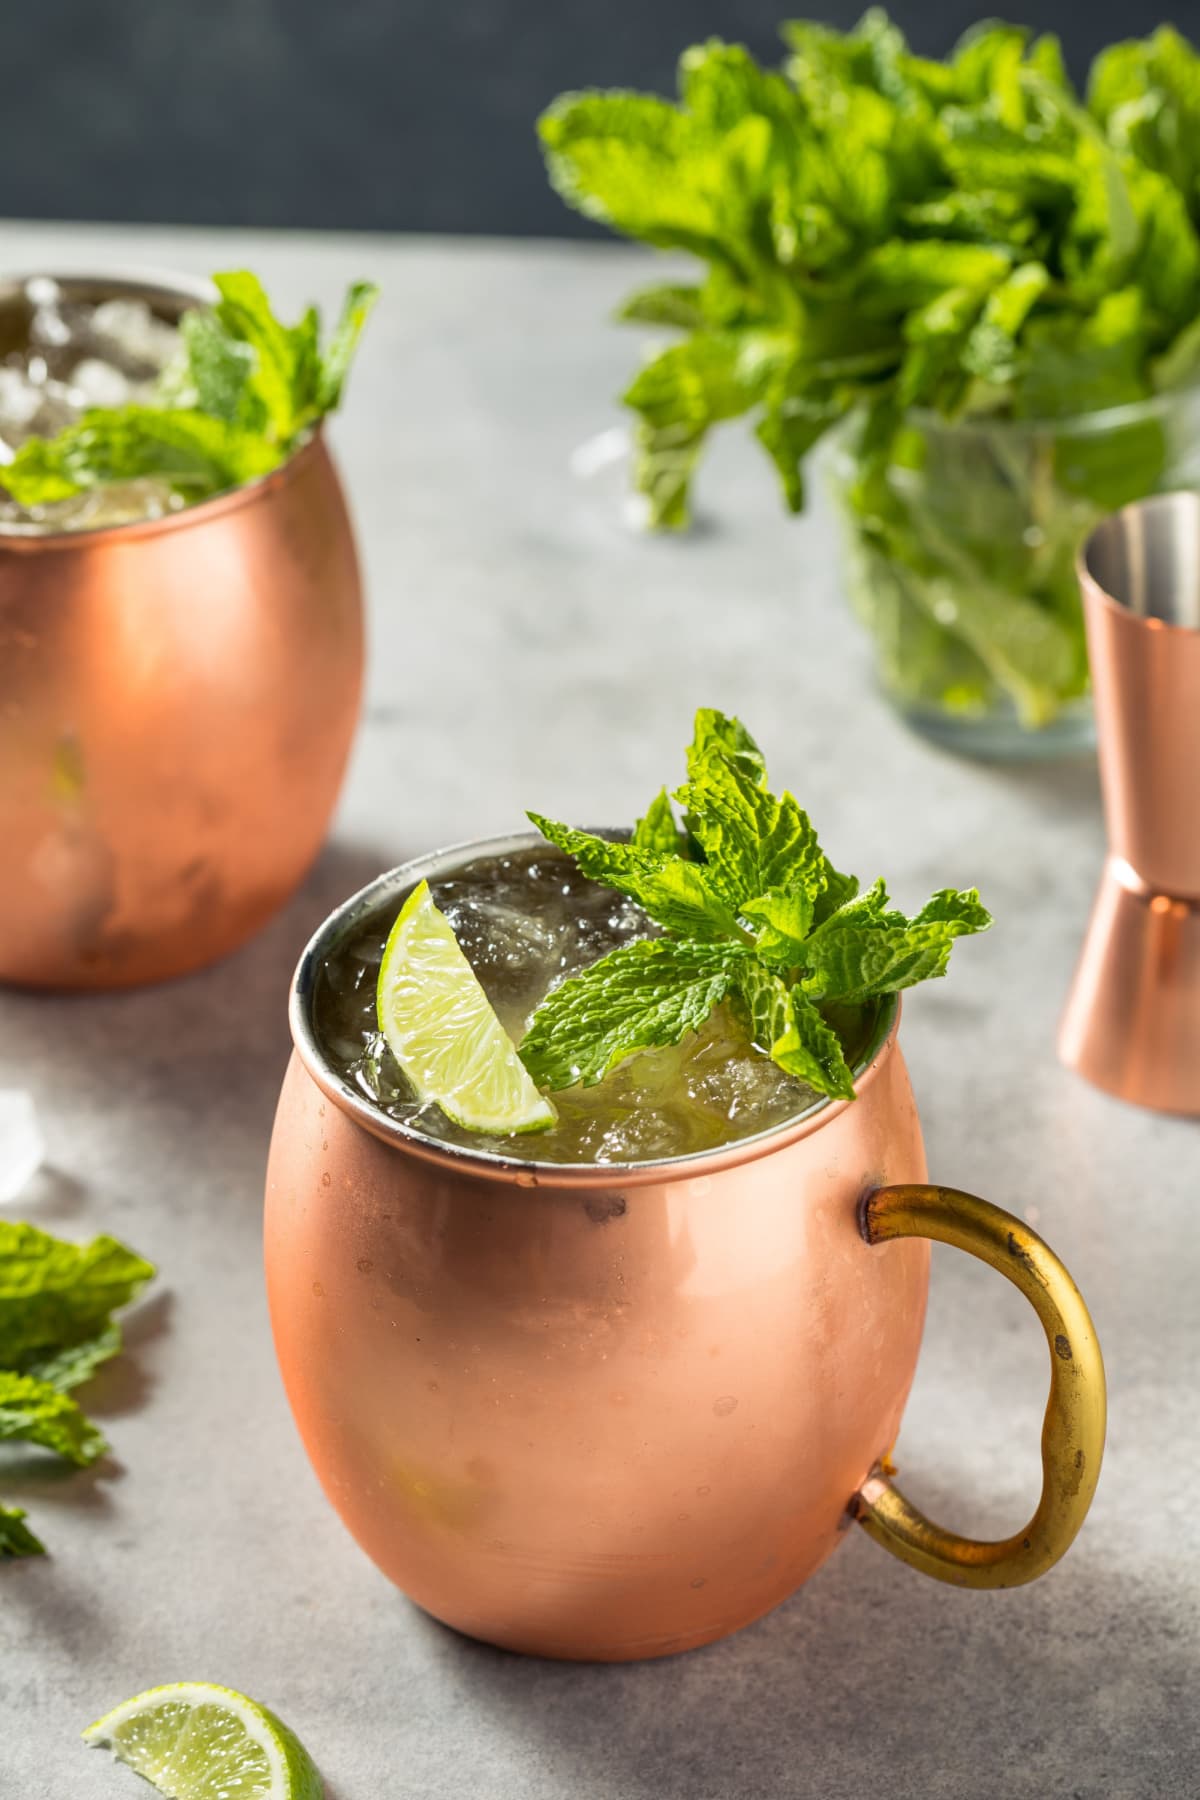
[[177, 702], [1132, 1023], [613, 1411]]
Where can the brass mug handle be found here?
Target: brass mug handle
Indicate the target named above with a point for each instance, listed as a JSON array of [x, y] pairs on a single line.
[[1073, 1429]]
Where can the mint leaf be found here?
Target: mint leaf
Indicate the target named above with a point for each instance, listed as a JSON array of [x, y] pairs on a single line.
[[74, 1364], [245, 312], [785, 1024], [335, 365], [753, 841], [715, 732], [55, 1294], [221, 369], [682, 896], [16, 1539], [666, 303], [762, 916], [658, 833], [197, 454], [636, 163], [784, 918], [962, 910], [644, 995], [680, 394], [866, 949], [33, 1412]]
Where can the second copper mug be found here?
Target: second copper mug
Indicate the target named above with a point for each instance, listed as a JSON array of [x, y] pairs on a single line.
[[177, 702], [608, 1412]]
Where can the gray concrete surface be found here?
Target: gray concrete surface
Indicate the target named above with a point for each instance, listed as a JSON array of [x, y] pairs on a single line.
[[527, 649]]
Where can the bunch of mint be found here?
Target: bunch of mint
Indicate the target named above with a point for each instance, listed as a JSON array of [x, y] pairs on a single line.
[[752, 912], [57, 1302], [244, 393], [893, 241]]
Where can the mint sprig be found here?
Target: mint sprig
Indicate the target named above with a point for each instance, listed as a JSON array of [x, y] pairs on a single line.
[[752, 911], [891, 245], [885, 231], [246, 391], [56, 1329]]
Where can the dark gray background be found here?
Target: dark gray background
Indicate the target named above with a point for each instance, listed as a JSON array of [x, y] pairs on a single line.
[[391, 114]]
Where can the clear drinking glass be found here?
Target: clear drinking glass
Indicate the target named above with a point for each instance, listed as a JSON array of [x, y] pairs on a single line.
[[960, 560]]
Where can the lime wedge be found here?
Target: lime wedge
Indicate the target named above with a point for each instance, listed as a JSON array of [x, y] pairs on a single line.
[[441, 1029], [194, 1741]]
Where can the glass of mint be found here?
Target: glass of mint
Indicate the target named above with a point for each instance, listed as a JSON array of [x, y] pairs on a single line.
[[181, 645], [580, 1215], [977, 287]]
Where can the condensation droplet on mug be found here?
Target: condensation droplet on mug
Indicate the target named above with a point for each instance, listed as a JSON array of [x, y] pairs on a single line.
[[319, 1290], [326, 1179], [365, 1265], [699, 1582], [702, 1491], [725, 1405]]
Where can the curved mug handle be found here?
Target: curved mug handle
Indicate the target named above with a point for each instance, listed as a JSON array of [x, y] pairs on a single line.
[[1073, 1429]]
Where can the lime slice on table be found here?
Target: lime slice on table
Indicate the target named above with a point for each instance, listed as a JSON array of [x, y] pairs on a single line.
[[194, 1741], [442, 1030]]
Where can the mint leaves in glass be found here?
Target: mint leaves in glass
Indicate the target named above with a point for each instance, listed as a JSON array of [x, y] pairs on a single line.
[[985, 285], [705, 979], [110, 413]]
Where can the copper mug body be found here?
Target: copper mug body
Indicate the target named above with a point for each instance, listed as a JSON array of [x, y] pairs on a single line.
[[615, 1412], [177, 703]]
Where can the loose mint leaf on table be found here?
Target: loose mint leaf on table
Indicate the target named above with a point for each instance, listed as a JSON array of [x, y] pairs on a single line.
[[753, 912], [55, 1295], [56, 1329], [16, 1539], [71, 1366], [33, 1412]]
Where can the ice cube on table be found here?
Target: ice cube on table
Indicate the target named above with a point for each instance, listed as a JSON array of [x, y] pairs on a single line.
[[22, 1147]]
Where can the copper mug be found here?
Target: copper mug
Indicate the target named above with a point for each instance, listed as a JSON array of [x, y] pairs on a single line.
[[177, 702], [609, 1412]]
